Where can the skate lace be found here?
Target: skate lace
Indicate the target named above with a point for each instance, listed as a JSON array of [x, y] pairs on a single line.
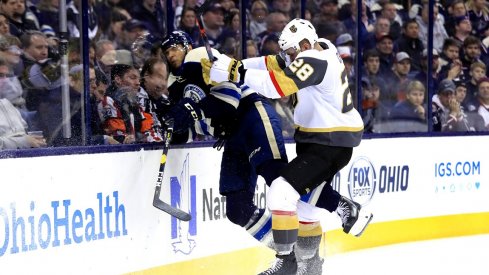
[[343, 211], [275, 267]]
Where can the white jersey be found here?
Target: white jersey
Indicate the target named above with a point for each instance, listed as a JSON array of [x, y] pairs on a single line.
[[317, 80]]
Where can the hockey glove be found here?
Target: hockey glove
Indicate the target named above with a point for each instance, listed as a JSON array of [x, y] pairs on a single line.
[[184, 114], [226, 69]]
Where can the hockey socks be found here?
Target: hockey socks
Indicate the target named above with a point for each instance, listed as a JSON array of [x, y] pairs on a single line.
[[308, 240], [285, 227]]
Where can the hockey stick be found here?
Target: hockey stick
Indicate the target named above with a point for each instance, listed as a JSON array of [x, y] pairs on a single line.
[[157, 202], [200, 23]]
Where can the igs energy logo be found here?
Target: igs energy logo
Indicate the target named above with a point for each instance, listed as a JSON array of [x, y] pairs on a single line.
[[361, 180]]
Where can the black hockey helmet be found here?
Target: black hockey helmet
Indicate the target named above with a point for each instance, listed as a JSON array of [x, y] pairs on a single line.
[[175, 38]]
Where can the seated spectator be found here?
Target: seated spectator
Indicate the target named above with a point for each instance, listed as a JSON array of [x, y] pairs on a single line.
[[483, 101], [131, 30], [251, 49], [471, 52], [409, 43], [450, 52], [374, 112], [479, 17], [413, 109], [146, 12], [49, 14], [213, 19], [381, 27], [259, 13], [447, 113], [397, 80], [11, 52], [189, 25], [385, 47], [4, 25], [478, 71], [463, 28], [16, 12], [120, 111], [73, 17], [276, 22], [439, 32], [345, 40], [423, 74], [454, 10], [13, 128]]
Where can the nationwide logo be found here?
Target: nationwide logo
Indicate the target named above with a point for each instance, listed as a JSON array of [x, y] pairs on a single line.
[[183, 196], [362, 180]]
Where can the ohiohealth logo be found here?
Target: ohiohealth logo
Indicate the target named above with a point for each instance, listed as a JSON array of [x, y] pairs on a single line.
[[183, 196], [361, 180]]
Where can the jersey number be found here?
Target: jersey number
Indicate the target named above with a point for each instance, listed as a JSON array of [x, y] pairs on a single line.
[[347, 101], [302, 70]]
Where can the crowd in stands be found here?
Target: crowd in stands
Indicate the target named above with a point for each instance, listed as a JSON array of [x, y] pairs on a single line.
[[128, 75]]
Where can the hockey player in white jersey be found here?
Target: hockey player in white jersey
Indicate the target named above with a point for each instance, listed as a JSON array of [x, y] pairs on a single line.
[[327, 128]]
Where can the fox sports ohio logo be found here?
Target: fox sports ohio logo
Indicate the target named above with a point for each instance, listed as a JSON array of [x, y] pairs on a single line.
[[362, 180]]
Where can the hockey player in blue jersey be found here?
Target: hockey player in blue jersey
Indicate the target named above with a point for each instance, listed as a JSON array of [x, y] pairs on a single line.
[[327, 129], [243, 122]]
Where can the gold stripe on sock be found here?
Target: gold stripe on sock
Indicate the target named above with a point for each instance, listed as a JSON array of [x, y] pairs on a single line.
[[310, 229], [285, 221]]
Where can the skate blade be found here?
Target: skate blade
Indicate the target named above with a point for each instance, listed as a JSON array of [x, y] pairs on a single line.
[[364, 219]]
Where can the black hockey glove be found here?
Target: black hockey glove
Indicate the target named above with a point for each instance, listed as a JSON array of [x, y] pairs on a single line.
[[184, 114]]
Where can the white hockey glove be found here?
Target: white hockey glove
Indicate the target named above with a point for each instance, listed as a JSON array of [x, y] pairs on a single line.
[[223, 69]]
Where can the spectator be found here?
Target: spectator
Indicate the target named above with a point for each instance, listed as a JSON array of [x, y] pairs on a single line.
[[131, 30], [13, 129], [114, 32], [477, 72], [397, 80], [259, 13], [450, 52], [276, 22], [15, 11], [374, 112], [413, 109], [447, 113], [49, 13], [385, 47], [371, 66], [411, 44], [4, 25], [285, 7], [439, 32], [105, 10], [11, 52], [213, 18], [329, 15], [101, 70], [251, 49], [189, 25], [345, 40], [381, 27], [145, 11], [231, 30], [120, 111], [350, 21], [455, 9], [424, 74], [270, 45], [462, 28], [479, 17], [471, 52], [483, 101], [73, 18], [389, 11], [35, 48]]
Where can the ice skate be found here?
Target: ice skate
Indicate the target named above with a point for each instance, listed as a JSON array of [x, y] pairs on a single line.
[[283, 265], [312, 266], [353, 217]]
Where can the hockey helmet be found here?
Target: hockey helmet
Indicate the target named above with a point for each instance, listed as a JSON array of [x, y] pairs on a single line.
[[175, 38], [296, 31]]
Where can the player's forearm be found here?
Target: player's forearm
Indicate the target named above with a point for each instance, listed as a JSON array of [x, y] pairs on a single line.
[[261, 82]]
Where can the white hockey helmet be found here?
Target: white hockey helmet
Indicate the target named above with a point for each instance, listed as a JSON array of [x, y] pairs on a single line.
[[296, 31]]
